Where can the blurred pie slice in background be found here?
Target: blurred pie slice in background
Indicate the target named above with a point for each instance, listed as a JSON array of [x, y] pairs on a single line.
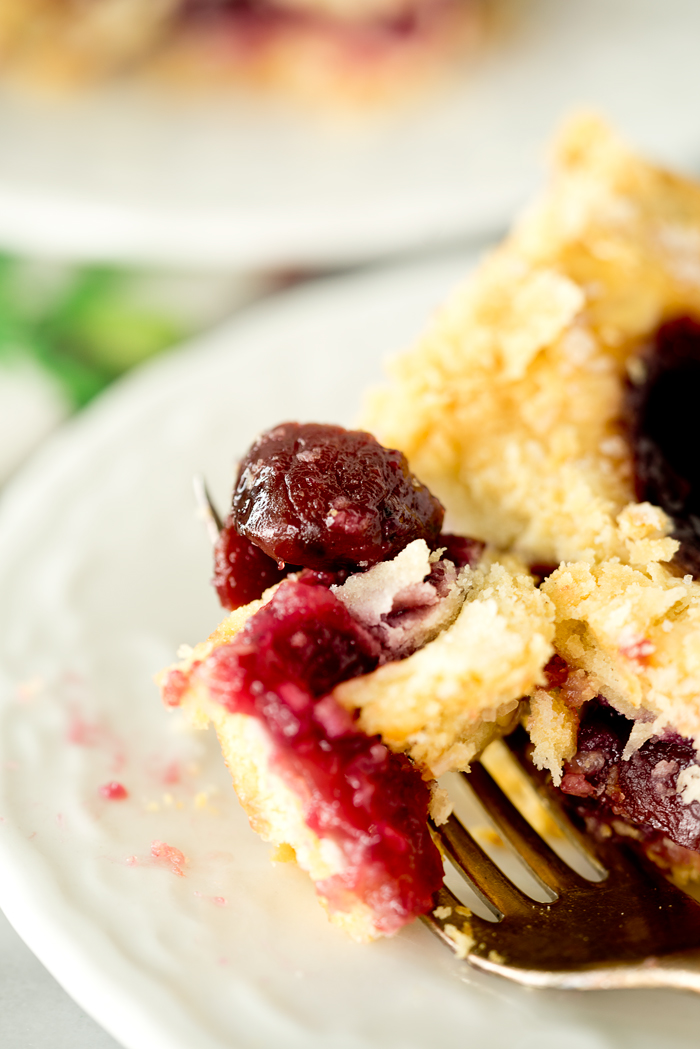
[[359, 50]]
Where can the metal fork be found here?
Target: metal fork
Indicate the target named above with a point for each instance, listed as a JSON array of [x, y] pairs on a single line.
[[631, 929]]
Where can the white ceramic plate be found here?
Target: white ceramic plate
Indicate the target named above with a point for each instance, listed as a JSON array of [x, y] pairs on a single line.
[[127, 176], [103, 572]]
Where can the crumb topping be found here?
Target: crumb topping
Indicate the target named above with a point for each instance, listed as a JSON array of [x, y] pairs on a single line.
[[511, 406]]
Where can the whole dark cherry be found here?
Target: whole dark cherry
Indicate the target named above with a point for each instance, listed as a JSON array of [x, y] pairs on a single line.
[[328, 498], [663, 419]]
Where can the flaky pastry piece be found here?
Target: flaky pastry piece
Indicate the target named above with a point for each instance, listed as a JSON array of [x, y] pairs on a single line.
[[476, 653]]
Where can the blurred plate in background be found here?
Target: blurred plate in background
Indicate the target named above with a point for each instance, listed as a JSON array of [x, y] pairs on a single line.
[[241, 182]]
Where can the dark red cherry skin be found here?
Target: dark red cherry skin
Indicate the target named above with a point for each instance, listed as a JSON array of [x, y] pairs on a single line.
[[641, 789], [328, 498], [664, 426], [242, 572], [461, 550]]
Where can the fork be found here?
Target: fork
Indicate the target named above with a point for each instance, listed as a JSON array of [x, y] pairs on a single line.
[[631, 929]]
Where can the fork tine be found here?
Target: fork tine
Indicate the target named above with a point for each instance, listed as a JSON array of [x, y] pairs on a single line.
[[519, 745], [495, 890], [554, 875], [206, 508]]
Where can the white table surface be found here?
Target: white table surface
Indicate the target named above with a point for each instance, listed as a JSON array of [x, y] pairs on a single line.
[[35, 1011]]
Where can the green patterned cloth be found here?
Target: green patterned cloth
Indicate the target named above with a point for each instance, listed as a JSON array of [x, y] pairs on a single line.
[[67, 332]]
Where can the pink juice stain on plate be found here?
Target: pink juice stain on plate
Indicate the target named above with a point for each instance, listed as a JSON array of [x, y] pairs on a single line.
[[162, 855], [171, 774], [168, 856], [218, 901], [84, 733]]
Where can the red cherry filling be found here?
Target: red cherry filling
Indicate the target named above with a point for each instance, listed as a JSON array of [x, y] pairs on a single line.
[[642, 789], [664, 427], [372, 803], [328, 498], [556, 672], [460, 550]]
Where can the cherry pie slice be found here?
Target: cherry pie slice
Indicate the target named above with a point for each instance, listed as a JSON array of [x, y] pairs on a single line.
[[386, 654]]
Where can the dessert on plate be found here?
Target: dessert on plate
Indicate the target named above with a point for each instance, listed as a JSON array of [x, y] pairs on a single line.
[[365, 653], [358, 48], [552, 407]]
